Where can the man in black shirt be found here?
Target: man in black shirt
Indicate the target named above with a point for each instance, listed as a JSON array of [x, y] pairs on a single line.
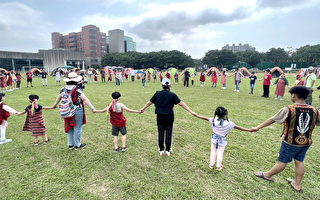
[[44, 78], [164, 102]]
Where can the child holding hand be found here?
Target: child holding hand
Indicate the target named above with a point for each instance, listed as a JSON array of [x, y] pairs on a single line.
[[221, 126], [35, 121], [118, 120], [5, 111]]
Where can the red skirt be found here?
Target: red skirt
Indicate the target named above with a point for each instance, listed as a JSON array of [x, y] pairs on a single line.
[[3, 83], [9, 82]]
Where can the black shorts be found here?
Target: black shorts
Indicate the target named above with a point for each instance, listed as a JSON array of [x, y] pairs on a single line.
[[116, 130], [29, 80]]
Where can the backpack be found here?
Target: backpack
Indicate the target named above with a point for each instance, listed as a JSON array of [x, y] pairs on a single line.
[[67, 108]]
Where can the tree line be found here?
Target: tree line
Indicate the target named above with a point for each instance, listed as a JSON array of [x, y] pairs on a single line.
[[308, 55]]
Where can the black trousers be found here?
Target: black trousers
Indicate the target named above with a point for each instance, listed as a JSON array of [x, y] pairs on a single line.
[[186, 82], [18, 84], [165, 127], [266, 90], [132, 78]]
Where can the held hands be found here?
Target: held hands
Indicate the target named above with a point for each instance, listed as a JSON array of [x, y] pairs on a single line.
[[254, 129]]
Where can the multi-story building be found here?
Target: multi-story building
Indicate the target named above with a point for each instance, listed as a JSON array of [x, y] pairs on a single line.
[[237, 48], [90, 40], [129, 44], [116, 41], [94, 43]]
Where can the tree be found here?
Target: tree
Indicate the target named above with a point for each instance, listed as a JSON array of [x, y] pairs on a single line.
[[309, 54], [277, 55], [219, 58], [159, 59], [253, 58]]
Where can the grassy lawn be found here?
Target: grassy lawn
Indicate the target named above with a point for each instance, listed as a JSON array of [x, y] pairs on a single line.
[[54, 172]]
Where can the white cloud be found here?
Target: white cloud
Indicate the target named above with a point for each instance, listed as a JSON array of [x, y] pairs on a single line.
[[182, 25], [22, 28]]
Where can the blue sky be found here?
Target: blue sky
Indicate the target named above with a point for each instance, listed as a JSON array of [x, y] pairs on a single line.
[[191, 26]]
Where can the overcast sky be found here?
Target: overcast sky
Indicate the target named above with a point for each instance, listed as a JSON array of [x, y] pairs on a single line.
[[191, 26]]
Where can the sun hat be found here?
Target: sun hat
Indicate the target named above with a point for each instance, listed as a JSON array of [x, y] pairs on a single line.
[[166, 81], [73, 76]]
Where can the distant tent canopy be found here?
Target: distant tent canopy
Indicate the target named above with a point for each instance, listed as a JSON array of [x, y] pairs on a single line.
[[276, 71], [172, 71], [211, 70], [67, 67], [245, 71], [35, 71], [150, 70], [190, 69], [3, 70]]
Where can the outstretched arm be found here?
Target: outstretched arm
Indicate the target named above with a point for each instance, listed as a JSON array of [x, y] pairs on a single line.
[[131, 110], [184, 106], [244, 129], [146, 106], [102, 111], [87, 102], [57, 101], [266, 123], [22, 113], [201, 117]]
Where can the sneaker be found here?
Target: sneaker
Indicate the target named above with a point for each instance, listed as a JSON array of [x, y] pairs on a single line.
[[276, 98], [35, 143], [161, 153], [116, 150], [124, 149], [281, 99], [71, 147], [168, 153], [82, 146], [46, 141]]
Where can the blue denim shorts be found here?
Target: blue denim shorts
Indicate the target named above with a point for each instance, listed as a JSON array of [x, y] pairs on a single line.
[[220, 141], [289, 152]]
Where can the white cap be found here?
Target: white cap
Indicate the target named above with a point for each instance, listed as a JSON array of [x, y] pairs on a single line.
[[311, 68], [166, 81]]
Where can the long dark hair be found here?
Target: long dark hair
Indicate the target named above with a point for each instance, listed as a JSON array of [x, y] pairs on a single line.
[[222, 114]]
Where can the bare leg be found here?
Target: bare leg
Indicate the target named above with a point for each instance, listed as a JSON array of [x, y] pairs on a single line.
[[115, 141], [45, 137], [277, 168], [124, 140], [213, 155], [220, 156], [36, 139], [296, 183]]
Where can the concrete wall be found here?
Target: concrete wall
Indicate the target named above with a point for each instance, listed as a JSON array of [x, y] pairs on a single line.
[[55, 58], [52, 58]]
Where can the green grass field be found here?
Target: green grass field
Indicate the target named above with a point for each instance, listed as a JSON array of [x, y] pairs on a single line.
[[53, 172]]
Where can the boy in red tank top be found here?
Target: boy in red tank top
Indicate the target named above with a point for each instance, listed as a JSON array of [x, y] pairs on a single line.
[[118, 120]]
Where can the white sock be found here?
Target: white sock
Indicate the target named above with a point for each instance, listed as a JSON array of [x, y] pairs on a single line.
[[3, 132]]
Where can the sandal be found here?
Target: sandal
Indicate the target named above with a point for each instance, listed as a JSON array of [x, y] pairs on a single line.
[[289, 180], [220, 168], [211, 166], [261, 175], [46, 141], [35, 143]]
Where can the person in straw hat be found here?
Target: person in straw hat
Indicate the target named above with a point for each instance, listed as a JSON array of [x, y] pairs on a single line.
[[73, 125]]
